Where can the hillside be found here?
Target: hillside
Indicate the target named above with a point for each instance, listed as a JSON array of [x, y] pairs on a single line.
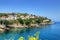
[[23, 20]]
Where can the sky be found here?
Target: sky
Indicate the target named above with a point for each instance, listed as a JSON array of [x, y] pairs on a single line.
[[46, 8]]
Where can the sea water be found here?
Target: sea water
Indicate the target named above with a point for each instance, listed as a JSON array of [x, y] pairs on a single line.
[[48, 32]]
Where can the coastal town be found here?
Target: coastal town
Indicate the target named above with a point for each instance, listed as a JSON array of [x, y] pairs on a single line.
[[21, 20]]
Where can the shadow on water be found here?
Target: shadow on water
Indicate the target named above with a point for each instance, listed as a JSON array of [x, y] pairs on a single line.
[[23, 30], [18, 30]]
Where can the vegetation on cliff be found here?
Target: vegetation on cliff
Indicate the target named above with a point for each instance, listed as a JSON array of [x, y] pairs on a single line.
[[23, 19]]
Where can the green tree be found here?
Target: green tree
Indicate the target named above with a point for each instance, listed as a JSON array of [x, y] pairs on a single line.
[[3, 14], [20, 21], [6, 22], [27, 21], [1, 21]]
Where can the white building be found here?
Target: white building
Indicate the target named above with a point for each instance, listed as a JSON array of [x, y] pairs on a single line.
[[11, 17]]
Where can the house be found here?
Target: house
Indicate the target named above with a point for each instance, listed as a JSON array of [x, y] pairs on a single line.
[[27, 16], [3, 18], [31, 17], [11, 17], [22, 17]]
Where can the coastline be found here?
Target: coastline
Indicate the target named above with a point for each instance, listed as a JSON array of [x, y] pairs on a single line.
[[8, 21], [21, 27]]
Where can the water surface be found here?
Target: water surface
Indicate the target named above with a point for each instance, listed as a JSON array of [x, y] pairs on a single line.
[[49, 32]]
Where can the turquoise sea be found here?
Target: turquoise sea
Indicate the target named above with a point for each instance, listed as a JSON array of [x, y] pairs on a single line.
[[48, 32]]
